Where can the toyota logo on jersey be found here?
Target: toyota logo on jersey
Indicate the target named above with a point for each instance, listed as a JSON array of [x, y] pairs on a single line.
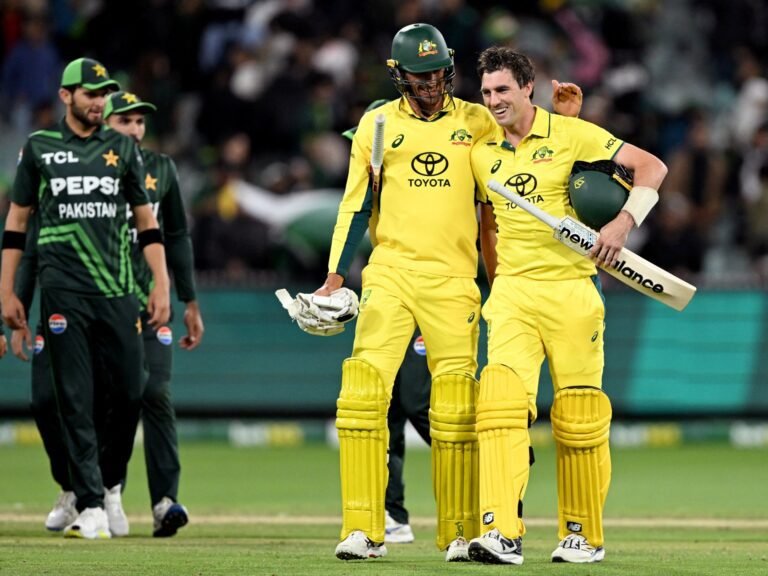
[[165, 336], [57, 323], [429, 164]]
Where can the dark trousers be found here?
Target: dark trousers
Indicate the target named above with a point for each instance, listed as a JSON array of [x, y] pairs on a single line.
[[410, 402], [159, 419], [80, 334], [158, 415]]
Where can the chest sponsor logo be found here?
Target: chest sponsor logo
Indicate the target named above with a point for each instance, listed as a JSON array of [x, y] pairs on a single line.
[[84, 185], [419, 347], [429, 165], [60, 157], [57, 323], [165, 336], [39, 344], [524, 185]]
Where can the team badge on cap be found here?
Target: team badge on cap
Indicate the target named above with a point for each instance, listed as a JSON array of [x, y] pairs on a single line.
[[39, 344], [419, 347], [57, 323], [165, 336]]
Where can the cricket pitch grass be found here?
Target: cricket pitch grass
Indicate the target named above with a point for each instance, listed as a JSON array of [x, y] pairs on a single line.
[[696, 510]]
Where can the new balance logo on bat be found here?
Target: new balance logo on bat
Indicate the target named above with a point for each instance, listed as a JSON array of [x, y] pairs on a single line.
[[645, 282], [582, 239]]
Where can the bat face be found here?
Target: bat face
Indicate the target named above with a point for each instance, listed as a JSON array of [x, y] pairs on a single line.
[[630, 269]]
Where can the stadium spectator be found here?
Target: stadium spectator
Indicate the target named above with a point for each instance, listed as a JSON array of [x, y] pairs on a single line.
[[30, 73]]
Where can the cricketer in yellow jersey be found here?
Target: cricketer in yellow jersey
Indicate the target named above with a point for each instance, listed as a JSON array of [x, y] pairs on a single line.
[[421, 272], [545, 301]]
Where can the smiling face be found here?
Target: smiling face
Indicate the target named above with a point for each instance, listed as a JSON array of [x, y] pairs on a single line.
[[508, 102], [427, 89]]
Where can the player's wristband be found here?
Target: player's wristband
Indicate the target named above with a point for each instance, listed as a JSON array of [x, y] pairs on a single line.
[[641, 200], [13, 240], [150, 236]]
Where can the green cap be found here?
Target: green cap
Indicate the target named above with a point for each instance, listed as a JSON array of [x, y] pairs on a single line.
[[122, 102], [89, 74], [372, 106]]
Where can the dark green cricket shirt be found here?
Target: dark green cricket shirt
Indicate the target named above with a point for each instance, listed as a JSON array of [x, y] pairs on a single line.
[[81, 188], [161, 182]]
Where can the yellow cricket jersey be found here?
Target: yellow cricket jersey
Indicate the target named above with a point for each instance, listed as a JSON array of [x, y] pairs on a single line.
[[538, 170], [424, 217]]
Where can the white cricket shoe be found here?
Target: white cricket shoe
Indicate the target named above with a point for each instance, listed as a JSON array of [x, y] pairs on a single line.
[[493, 548], [576, 549], [91, 523], [168, 516], [357, 546], [397, 533], [63, 512], [457, 551], [113, 504]]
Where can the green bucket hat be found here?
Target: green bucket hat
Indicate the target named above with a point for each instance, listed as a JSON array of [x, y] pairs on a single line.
[[122, 102], [88, 73]]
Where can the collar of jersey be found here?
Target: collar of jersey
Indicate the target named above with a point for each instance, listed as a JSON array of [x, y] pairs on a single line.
[[68, 135], [540, 129], [405, 107]]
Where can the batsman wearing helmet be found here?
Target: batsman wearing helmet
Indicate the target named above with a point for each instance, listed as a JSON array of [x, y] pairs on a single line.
[[421, 273], [545, 301]]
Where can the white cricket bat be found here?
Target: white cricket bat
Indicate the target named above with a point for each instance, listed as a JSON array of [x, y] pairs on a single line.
[[377, 151], [631, 269]]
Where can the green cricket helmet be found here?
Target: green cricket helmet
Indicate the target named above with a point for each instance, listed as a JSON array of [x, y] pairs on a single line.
[[598, 191], [420, 48]]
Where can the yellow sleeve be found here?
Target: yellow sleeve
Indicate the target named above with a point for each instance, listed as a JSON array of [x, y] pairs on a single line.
[[356, 206]]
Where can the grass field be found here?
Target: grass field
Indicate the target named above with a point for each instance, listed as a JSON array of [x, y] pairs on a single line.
[[697, 510]]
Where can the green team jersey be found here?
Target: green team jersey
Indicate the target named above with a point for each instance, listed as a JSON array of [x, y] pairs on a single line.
[[80, 188], [162, 185]]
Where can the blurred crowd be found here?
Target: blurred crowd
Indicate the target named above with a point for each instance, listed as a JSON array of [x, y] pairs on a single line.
[[253, 97]]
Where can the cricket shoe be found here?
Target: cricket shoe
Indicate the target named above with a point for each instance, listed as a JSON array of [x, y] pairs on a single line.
[[357, 546], [63, 512], [576, 549], [168, 516], [397, 533], [457, 551], [493, 548], [113, 505], [91, 523]]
